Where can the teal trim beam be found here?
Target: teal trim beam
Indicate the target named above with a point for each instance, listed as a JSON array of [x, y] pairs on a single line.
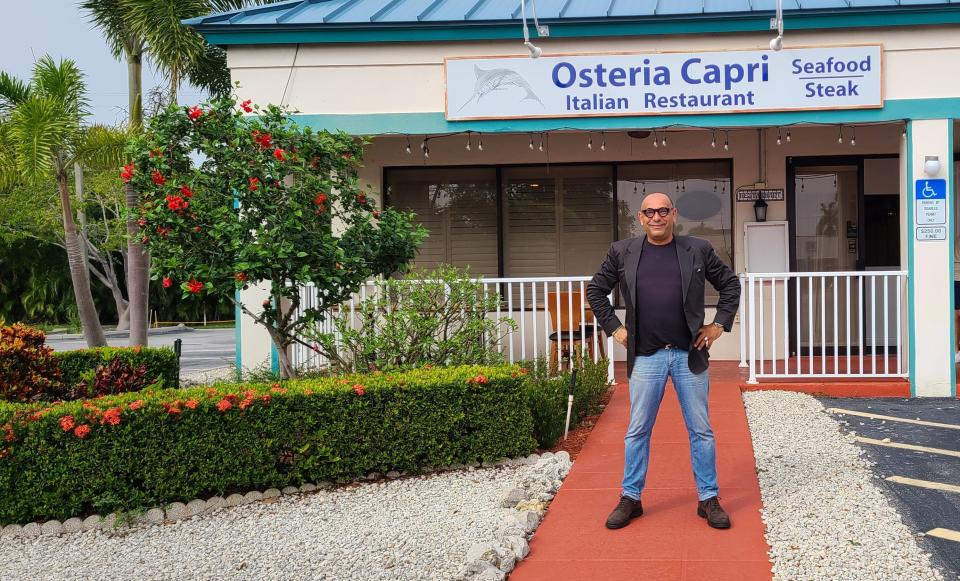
[[911, 270], [951, 233], [432, 123], [225, 34], [237, 333]]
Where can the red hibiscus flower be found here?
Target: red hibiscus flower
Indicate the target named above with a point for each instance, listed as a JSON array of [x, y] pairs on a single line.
[[240, 277], [82, 431], [254, 183], [266, 303], [196, 229], [261, 139], [142, 222], [111, 416], [359, 389], [67, 423], [376, 213], [191, 403], [246, 106], [361, 198], [176, 203], [167, 282], [186, 191], [279, 154], [195, 113], [127, 173], [320, 199], [224, 404], [158, 177], [194, 286], [135, 405]]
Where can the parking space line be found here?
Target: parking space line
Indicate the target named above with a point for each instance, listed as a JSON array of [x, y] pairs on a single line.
[[948, 534], [893, 418], [908, 447], [924, 483]]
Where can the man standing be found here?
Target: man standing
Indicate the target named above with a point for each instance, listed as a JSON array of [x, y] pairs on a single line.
[[662, 279]]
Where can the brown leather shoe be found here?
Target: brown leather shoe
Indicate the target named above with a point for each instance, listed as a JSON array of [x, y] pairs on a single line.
[[711, 510], [626, 509]]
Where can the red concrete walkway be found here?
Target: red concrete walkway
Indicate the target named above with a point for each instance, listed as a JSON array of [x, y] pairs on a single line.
[[669, 541]]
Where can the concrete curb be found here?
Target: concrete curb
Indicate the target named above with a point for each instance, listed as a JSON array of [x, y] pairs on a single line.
[[114, 334]]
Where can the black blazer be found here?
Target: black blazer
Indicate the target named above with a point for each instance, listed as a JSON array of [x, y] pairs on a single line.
[[698, 262]]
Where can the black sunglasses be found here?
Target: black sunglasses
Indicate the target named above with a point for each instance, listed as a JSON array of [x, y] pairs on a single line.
[[649, 212]]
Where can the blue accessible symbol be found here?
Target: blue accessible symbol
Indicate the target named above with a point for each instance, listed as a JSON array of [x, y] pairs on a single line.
[[931, 189]]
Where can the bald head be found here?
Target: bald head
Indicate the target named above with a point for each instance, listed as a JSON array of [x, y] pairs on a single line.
[[658, 216]]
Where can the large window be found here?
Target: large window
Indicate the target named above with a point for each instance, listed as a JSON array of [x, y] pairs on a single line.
[[458, 207], [555, 220]]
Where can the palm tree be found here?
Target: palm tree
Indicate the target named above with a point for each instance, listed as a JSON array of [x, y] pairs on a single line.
[[40, 125], [133, 28]]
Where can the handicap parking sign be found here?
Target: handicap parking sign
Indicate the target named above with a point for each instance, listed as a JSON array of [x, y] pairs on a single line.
[[931, 202]]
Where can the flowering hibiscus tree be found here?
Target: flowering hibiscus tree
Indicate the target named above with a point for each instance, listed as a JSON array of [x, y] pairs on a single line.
[[231, 199]]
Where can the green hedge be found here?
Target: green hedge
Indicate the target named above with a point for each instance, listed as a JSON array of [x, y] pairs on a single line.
[[177, 445], [162, 363], [547, 398]]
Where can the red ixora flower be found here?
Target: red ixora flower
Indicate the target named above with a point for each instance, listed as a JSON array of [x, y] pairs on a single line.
[[185, 190], [194, 286], [127, 173], [224, 404], [135, 405], [279, 154], [191, 403], [254, 184], [111, 416], [195, 113], [246, 106], [167, 282], [176, 203], [479, 380], [359, 389], [158, 177], [82, 431], [67, 423]]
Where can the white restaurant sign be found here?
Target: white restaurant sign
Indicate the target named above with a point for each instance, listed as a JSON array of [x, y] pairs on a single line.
[[843, 77]]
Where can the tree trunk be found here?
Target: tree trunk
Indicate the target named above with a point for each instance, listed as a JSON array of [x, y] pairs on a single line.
[[92, 330], [138, 261], [138, 273], [287, 370]]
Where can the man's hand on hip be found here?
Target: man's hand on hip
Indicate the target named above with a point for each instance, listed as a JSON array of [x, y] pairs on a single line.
[[707, 335], [620, 335]]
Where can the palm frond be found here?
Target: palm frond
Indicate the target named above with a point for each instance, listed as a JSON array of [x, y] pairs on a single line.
[[9, 172], [108, 16], [64, 82], [100, 147], [12, 92], [41, 134]]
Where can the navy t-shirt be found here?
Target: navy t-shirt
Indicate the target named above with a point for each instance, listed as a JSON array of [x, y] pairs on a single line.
[[659, 300]]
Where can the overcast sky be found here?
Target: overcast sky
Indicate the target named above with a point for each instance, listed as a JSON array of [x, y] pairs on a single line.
[[59, 28]]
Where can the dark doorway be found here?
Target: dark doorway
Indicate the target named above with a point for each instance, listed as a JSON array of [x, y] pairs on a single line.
[[882, 231]]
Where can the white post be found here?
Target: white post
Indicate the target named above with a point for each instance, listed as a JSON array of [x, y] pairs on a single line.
[[752, 305]]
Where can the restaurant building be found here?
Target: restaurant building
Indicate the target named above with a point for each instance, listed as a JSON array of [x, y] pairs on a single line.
[[823, 172]]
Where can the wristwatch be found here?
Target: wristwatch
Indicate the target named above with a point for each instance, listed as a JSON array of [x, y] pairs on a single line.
[[718, 325]]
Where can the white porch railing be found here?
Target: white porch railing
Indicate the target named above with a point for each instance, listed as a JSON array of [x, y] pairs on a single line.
[[823, 324], [524, 300]]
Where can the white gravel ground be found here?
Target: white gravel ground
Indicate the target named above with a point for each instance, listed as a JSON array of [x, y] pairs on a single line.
[[826, 518], [410, 528]]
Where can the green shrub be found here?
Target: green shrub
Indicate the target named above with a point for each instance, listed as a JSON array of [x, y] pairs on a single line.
[[427, 318], [147, 449], [28, 370], [547, 398], [80, 367]]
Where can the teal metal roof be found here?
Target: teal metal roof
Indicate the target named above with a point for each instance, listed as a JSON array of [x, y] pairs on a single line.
[[381, 19]]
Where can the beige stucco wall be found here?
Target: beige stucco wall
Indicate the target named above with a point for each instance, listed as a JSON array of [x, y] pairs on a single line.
[[403, 77]]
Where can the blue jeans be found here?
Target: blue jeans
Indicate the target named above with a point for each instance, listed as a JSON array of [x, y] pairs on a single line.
[[647, 383]]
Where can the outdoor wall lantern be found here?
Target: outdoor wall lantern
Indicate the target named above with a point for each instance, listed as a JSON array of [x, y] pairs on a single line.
[[931, 165], [542, 30], [760, 210]]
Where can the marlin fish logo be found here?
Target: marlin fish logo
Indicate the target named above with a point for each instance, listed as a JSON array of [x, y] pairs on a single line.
[[498, 80]]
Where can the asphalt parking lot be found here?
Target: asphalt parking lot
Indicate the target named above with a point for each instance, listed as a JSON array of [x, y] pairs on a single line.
[[203, 349], [915, 449]]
